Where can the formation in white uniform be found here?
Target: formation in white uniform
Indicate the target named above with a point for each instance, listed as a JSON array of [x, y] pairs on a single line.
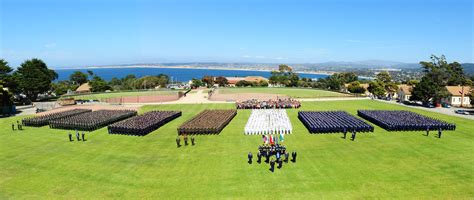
[[268, 121]]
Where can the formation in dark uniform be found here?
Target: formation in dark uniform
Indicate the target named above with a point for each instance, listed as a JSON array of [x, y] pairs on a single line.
[[332, 122], [91, 121], [143, 124], [207, 122], [397, 120], [44, 120]]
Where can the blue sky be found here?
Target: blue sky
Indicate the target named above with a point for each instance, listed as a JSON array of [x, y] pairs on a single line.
[[102, 32]]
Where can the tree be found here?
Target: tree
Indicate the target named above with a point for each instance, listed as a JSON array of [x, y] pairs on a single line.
[[355, 88], [196, 83], [90, 72], [5, 69], [222, 81], [376, 89], [293, 79], [284, 68], [6, 98], [209, 80], [383, 77], [244, 83], [62, 87], [6, 76], [263, 83], [334, 82], [437, 75], [346, 77], [78, 78], [98, 84], [34, 77]]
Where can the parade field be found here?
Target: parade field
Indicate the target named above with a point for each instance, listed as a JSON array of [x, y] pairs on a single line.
[[291, 92], [41, 163]]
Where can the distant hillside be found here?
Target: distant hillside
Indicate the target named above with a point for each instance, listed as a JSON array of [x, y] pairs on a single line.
[[468, 68]]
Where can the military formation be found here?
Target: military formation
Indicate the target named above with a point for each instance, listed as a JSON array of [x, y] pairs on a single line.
[[268, 121], [268, 104], [207, 122], [333, 122], [46, 119], [143, 124], [397, 120], [91, 121]]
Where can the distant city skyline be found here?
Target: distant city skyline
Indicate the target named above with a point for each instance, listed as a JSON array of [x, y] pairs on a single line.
[[85, 33]]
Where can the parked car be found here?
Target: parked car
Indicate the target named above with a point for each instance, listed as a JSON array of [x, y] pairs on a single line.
[[462, 112]]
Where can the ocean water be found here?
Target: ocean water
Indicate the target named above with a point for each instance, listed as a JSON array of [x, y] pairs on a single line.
[[181, 75]]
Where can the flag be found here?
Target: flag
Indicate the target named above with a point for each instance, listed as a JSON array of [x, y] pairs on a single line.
[[282, 138], [271, 139]]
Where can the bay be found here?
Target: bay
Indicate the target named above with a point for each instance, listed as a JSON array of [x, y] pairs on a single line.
[[177, 74]]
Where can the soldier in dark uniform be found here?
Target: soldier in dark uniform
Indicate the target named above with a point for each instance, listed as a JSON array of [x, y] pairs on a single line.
[[70, 137], [293, 156], [267, 156], [178, 142], [77, 136], [272, 165], [259, 157], [280, 163], [192, 141], [353, 137], [439, 132], [345, 133], [83, 135], [13, 126], [250, 156], [186, 140], [427, 131], [287, 156]]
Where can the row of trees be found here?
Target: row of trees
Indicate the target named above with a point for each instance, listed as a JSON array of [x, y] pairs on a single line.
[[97, 84], [31, 78]]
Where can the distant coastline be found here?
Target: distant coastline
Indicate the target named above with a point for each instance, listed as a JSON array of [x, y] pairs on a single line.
[[191, 67]]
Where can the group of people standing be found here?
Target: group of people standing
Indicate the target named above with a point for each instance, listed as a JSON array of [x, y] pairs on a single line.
[[78, 136], [271, 103], [185, 139], [273, 154], [19, 126]]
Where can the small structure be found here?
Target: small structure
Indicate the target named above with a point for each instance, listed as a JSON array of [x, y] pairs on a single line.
[[84, 88], [404, 92], [459, 96]]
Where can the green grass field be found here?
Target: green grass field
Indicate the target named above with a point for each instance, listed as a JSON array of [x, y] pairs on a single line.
[[292, 92], [41, 163], [102, 96]]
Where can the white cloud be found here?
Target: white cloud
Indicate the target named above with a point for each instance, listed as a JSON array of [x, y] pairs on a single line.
[[281, 58], [246, 56], [260, 57]]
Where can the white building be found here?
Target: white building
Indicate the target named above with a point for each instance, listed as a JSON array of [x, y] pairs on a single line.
[[404, 92], [459, 96]]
